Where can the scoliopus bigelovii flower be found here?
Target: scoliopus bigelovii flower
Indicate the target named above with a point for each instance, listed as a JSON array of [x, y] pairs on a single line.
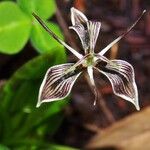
[[59, 79]]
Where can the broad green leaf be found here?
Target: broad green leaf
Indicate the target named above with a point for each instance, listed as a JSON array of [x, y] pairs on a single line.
[[44, 8], [14, 28], [19, 98], [41, 40]]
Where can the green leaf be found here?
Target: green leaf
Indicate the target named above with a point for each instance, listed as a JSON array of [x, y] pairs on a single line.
[[2, 147], [14, 28], [24, 144], [44, 8], [61, 147], [19, 98], [41, 40]]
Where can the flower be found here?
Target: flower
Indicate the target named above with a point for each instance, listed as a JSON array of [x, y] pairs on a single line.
[[59, 79]]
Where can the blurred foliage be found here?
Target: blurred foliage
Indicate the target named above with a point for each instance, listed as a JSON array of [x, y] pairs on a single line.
[[42, 41], [15, 28], [22, 126], [44, 8], [17, 25]]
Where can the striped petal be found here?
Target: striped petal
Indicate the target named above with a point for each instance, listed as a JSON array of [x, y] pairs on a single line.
[[77, 17], [79, 22], [58, 82], [87, 31], [83, 35], [93, 29], [121, 75]]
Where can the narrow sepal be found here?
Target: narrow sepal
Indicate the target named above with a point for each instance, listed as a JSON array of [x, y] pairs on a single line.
[[78, 55], [103, 51], [57, 83]]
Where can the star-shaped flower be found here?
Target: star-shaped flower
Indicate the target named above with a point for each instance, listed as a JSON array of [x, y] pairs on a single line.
[[59, 79]]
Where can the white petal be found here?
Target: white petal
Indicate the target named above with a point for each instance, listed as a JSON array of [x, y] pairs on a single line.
[[92, 83], [88, 31], [77, 17], [121, 75], [57, 83], [79, 22]]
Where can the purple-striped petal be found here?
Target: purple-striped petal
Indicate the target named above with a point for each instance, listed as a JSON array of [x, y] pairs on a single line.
[[121, 75], [77, 17], [93, 29], [79, 25], [58, 83], [87, 31], [83, 35]]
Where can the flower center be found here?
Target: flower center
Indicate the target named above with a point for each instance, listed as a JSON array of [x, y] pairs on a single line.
[[89, 61]]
